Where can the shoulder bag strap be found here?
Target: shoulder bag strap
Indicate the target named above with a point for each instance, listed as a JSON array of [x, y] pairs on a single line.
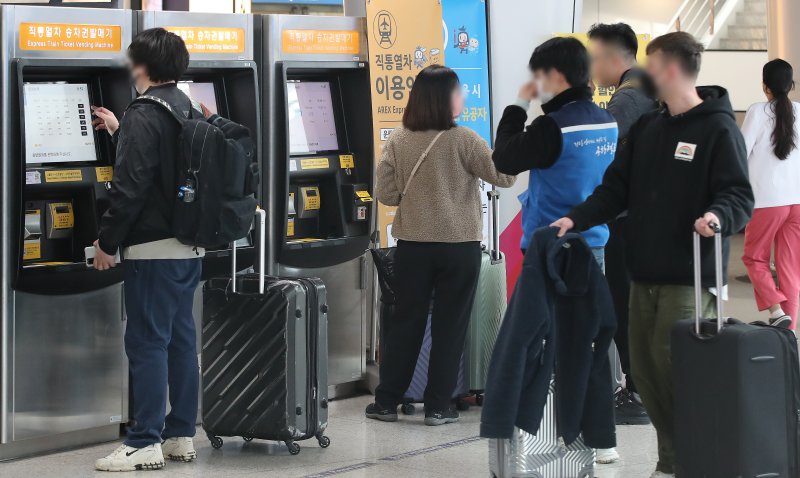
[[419, 163], [158, 101]]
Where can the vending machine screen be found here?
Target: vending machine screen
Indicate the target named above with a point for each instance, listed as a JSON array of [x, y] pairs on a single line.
[[312, 122]]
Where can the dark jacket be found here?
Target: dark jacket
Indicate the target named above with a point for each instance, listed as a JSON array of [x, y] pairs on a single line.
[[144, 187], [633, 98], [560, 318], [671, 171]]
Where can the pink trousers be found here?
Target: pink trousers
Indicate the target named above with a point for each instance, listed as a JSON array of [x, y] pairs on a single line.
[[777, 227]]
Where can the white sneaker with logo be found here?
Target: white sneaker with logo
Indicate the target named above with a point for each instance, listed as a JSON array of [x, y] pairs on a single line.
[[128, 458], [179, 449], [606, 456]]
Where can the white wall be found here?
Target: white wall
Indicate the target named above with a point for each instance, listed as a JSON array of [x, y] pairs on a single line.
[[738, 71], [644, 16]]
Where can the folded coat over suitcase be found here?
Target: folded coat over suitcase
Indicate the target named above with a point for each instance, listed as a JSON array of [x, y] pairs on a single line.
[[560, 319]]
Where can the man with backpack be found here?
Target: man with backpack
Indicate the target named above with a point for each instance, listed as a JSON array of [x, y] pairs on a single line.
[[161, 273]]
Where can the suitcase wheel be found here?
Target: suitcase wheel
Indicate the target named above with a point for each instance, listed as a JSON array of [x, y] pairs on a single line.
[[293, 447], [462, 405], [248, 439], [216, 442], [408, 409], [324, 442]]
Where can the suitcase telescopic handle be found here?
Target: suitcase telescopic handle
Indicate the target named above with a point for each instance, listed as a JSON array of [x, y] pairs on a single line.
[[262, 238], [698, 278], [494, 224]]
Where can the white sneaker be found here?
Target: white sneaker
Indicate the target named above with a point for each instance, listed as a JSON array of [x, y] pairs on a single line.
[[606, 456], [179, 449], [128, 458], [661, 474]]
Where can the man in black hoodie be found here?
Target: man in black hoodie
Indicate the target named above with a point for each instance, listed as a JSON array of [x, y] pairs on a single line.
[[682, 166]]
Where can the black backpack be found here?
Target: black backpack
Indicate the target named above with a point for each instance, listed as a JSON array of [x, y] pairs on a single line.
[[217, 176]]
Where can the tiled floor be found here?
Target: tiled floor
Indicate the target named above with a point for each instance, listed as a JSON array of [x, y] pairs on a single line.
[[365, 448]]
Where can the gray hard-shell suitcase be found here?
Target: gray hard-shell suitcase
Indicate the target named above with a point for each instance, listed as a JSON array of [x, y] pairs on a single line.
[[737, 393], [489, 307], [543, 455], [265, 356]]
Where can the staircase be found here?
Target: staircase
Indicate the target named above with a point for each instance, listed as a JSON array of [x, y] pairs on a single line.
[[748, 29]]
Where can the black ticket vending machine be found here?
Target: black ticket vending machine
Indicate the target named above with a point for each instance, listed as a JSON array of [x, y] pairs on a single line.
[[62, 368], [223, 76], [319, 170]]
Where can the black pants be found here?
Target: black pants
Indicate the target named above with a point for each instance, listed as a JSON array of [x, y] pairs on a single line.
[[420, 269], [619, 282]]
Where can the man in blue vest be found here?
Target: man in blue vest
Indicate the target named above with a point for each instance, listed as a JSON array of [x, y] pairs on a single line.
[[566, 150]]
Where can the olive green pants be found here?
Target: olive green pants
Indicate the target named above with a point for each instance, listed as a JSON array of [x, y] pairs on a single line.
[[654, 309]]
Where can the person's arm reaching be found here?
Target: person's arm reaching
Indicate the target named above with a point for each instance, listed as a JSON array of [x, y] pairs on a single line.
[[479, 163], [518, 149], [138, 159], [387, 190], [732, 196]]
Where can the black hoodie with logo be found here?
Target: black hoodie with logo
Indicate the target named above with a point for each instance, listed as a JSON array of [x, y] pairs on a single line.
[[671, 171]]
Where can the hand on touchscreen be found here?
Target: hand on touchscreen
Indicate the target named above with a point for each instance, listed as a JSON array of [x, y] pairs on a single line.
[[104, 119]]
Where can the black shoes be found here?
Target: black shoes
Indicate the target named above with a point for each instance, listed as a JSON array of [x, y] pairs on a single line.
[[436, 417], [377, 412], [783, 322], [629, 410]]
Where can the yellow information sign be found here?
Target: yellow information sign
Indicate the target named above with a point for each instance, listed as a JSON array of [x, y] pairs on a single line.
[[346, 161], [290, 227], [104, 174], [32, 250], [211, 39], [63, 176], [412, 33], [325, 42], [314, 163], [69, 37], [364, 196]]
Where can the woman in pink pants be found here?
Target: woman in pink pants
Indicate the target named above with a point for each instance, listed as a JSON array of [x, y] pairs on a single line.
[[771, 132]]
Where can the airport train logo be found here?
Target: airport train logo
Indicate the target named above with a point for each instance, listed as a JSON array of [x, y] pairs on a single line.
[[384, 27]]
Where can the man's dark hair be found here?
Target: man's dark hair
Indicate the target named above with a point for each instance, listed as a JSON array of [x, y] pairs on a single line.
[[430, 104], [619, 35], [680, 46], [566, 55], [162, 53]]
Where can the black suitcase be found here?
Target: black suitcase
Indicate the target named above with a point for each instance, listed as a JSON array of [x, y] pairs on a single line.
[[737, 394], [264, 358]]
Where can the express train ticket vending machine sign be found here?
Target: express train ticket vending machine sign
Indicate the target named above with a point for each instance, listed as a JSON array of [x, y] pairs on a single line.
[[63, 371], [319, 168]]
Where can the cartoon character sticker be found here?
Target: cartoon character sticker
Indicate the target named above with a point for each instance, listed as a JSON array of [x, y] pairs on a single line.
[[461, 40], [435, 56], [474, 45], [419, 57]]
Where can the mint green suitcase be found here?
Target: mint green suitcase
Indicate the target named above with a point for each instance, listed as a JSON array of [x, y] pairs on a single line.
[[489, 307]]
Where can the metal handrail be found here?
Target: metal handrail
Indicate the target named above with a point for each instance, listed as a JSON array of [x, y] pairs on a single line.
[[703, 18]]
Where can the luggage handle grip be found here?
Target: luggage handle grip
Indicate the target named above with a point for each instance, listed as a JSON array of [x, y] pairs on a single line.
[[262, 235], [494, 224], [698, 278]]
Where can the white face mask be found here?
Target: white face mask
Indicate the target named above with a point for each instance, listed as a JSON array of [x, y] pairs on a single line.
[[544, 95]]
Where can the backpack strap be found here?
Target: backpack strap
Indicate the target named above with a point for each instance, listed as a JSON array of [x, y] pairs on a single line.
[[165, 105]]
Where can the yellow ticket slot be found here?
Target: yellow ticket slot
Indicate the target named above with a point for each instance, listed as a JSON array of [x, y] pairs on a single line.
[[61, 220]]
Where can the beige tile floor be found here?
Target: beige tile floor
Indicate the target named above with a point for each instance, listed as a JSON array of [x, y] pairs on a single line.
[[365, 448]]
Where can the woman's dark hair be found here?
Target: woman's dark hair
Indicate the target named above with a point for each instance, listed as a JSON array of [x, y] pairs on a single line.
[[430, 105], [162, 53], [778, 76], [566, 55]]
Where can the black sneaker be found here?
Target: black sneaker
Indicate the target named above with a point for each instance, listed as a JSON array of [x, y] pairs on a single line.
[[783, 322], [377, 412], [629, 410], [437, 417]]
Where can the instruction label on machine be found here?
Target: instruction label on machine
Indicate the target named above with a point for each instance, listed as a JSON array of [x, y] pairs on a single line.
[[346, 161], [290, 227], [104, 174], [211, 40], [32, 250], [325, 42], [314, 163], [69, 37], [63, 176]]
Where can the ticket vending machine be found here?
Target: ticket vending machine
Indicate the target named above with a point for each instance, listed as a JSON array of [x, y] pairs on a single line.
[[319, 169], [223, 76], [63, 374]]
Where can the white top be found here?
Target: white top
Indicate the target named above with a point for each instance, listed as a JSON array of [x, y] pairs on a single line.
[[775, 182], [163, 249]]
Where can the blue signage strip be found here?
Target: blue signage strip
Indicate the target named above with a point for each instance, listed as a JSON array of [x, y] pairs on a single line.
[[467, 52]]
